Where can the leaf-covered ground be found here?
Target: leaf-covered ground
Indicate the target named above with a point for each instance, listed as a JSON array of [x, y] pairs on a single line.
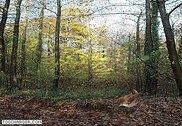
[[150, 111]]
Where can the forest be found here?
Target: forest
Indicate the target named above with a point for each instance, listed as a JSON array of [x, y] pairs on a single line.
[[91, 62]]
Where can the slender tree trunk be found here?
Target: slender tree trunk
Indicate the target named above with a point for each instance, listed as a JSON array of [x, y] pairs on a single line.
[[13, 65], [39, 46], [129, 69], [170, 42], [138, 71], [23, 48], [57, 43], [114, 59], [138, 35], [129, 55], [78, 55], [90, 71], [23, 54], [150, 78], [2, 42], [49, 43]]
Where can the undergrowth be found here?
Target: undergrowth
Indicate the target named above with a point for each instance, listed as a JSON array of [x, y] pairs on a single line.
[[68, 94]]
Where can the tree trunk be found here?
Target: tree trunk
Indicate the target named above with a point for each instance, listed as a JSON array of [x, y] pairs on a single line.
[[138, 71], [155, 26], [39, 46], [23, 54], [23, 47], [114, 59], [170, 42], [90, 71], [155, 44], [180, 47], [138, 35], [13, 65], [129, 65], [49, 43], [129, 55], [57, 43], [2, 42], [78, 55], [150, 78]]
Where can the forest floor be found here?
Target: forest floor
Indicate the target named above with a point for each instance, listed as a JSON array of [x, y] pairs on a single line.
[[161, 111]]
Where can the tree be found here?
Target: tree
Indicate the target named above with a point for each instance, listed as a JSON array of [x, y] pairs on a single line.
[[170, 42], [150, 80], [138, 49], [39, 46], [2, 42], [155, 43], [151, 46], [23, 45], [90, 64], [130, 59], [57, 43], [13, 64]]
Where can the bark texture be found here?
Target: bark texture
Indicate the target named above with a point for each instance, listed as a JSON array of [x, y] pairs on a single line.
[[2, 41], [150, 77]]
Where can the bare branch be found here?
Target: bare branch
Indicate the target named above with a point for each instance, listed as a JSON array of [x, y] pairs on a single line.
[[126, 13], [174, 8], [114, 5], [49, 9]]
